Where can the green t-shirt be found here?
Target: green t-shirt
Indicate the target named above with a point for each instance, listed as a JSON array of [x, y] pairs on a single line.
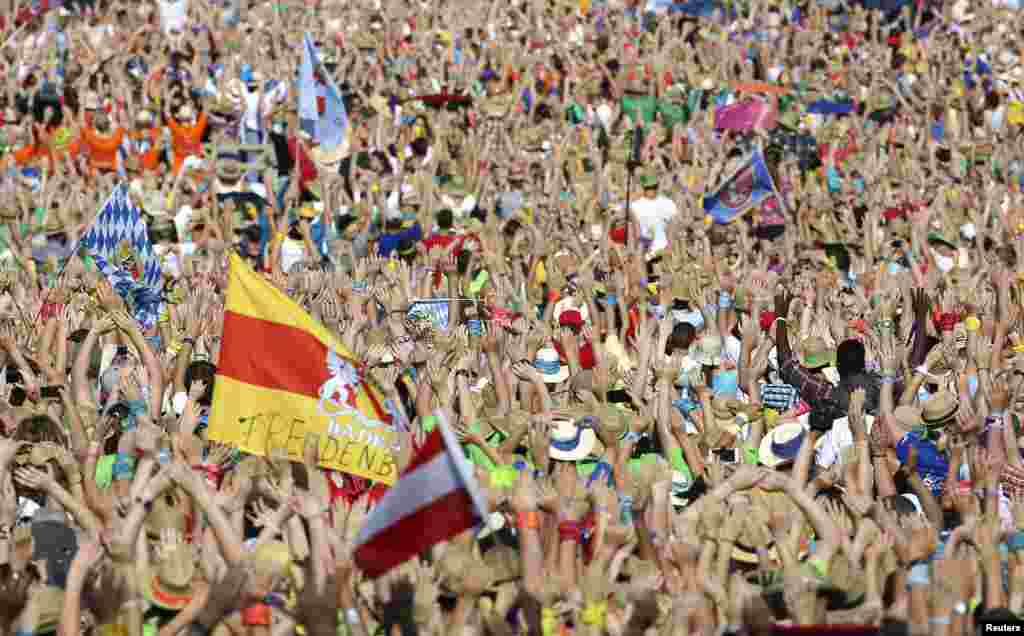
[[672, 113], [476, 455], [646, 105]]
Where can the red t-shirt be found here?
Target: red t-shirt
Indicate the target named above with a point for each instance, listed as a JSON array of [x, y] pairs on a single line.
[[586, 354], [307, 169]]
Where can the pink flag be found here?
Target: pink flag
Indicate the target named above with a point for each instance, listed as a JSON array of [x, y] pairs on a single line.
[[748, 114]]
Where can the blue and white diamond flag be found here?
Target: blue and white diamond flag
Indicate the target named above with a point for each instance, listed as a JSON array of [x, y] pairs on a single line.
[[119, 244]]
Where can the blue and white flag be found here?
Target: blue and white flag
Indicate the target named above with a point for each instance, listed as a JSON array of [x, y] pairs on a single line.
[[331, 126], [309, 112], [119, 244], [750, 185], [435, 311]]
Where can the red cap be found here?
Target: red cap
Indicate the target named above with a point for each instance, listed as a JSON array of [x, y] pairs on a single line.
[[570, 318]]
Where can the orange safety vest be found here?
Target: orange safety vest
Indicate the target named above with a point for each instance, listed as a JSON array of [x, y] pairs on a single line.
[[186, 141], [148, 155], [102, 148]]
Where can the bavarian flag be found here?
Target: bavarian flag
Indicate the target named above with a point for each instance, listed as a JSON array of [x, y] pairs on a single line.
[[282, 375]]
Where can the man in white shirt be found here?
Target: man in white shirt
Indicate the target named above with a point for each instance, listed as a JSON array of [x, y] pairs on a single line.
[[173, 15], [652, 213]]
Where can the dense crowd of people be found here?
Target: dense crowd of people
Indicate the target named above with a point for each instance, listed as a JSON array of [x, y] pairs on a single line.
[[722, 301]]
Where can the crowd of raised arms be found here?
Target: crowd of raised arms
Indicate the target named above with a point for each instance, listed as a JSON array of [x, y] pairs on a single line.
[[718, 305]]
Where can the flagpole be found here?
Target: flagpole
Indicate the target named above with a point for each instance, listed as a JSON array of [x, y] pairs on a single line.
[[771, 180], [462, 465]]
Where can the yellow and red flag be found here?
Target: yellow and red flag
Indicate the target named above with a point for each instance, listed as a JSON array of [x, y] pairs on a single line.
[[282, 375]]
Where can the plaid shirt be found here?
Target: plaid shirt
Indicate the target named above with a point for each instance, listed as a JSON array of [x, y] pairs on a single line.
[[819, 393], [812, 388]]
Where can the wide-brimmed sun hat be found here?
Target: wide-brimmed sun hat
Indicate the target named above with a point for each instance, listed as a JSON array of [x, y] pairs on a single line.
[[571, 440], [171, 586], [549, 364], [939, 409], [817, 354], [781, 444], [707, 351]]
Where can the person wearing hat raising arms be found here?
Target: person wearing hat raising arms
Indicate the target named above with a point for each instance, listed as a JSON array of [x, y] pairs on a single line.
[[653, 212], [187, 130], [806, 374], [144, 144], [402, 231], [102, 141]]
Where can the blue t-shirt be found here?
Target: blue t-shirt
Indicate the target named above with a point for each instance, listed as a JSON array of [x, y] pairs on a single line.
[[390, 242], [932, 464]]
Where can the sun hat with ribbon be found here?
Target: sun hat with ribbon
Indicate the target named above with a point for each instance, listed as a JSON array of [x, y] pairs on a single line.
[[171, 585], [817, 353], [781, 445], [549, 364], [939, 409], [572, 440]]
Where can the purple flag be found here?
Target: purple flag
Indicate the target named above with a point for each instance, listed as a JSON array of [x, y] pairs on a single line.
[[748, 114]]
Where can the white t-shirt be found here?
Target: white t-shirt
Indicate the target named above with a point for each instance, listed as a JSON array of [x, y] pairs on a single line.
[[292, 252], [653, 215], [173, 15]]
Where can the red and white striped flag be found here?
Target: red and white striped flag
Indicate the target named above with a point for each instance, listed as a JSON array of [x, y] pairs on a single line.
[[435, 498]]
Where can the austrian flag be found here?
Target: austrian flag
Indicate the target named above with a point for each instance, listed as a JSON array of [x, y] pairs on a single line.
[[435, 499]]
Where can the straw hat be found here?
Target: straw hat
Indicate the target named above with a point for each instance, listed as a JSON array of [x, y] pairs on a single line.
[[571, 440], [39, 454], [707, 351], [939, 409], [171, 586], [781, 444], [549, 364], [816, 353], [229, 169], [273, 560]]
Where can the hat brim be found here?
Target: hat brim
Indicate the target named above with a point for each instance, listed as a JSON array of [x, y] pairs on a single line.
[[586, 443], [554, 378], [939, 422], [167, 599], [765, 456]]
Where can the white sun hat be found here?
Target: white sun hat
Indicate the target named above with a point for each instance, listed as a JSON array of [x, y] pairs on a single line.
[[550, 366], [571, 441], [781, 444]]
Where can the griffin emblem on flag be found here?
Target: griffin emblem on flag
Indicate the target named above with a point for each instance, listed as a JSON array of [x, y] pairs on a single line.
[[339, 394]]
